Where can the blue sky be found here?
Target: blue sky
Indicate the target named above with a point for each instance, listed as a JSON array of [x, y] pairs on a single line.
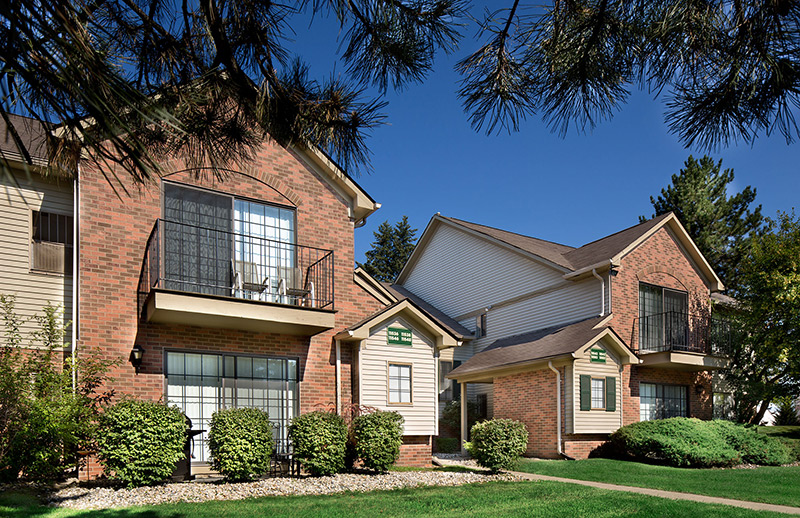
[[571, 190]]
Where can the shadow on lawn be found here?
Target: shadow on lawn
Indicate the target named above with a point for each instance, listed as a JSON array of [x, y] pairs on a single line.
[[26, 504]]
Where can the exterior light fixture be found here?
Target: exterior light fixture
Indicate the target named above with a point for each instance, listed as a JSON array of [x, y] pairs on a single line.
[[136, 357]]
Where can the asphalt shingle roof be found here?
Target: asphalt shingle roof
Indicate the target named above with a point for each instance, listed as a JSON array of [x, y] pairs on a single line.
[[545, 343], [566, 256]]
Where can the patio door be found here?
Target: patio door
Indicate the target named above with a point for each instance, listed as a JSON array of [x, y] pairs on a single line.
[[197, 240], [202, 383]]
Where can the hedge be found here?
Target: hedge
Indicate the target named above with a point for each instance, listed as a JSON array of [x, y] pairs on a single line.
[[241, 443], [140, 441], [692, 443], [498, 443], [377, 438], [319, 440]]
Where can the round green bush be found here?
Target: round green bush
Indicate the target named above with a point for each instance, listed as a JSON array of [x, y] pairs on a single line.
[[378, 437], [240, 441], [319, 440], [678, 441], [139, 441], [754, 447], [498, 443]]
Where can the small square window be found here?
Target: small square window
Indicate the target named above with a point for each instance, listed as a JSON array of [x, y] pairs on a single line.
[[598, 393]]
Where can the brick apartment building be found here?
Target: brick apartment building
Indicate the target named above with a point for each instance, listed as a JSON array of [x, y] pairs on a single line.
[[213, 292], [574, 342], [240, 291]]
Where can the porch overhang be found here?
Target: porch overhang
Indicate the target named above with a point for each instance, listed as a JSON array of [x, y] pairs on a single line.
[[169, 307], [683, 361]]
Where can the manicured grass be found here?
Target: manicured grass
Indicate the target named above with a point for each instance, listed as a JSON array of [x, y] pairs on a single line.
[[774, 485], [789, 432], [496, 499]]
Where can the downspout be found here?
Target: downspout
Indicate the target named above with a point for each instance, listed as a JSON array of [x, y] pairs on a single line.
[[558, 403], [338, 377], [75, 280], [602, 292], [621, 406]]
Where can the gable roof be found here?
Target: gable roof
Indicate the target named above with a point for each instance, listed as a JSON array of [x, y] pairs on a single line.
[[544, 344], [610, 246], [457, 329], [572, 262], [406, 308], [32, 134], [552, 252], [390, 295]]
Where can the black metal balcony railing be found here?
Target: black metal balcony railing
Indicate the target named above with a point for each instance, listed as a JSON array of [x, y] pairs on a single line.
[[683, 332], [194, 259]]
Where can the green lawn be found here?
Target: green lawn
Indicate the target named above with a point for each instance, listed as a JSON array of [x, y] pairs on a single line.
[[496, 499], [774, 485]]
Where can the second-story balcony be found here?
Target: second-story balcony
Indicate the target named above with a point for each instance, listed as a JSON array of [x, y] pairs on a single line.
[[217, 278], [680, 340]]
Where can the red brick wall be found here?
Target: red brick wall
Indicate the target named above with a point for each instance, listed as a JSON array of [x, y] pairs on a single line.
[[113, 233], [661, 262], [658, 261], [530, 398], [581, 445], [415, 451]]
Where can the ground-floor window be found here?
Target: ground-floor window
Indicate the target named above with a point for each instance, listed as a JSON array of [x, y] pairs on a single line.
[[201, 383], [662, 401]]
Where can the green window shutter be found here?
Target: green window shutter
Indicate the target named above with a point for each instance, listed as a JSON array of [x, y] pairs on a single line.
[[611, 394], [586, 392], [456, 385]]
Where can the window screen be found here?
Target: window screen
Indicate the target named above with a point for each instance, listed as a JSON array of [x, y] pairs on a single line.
[[52, 242]]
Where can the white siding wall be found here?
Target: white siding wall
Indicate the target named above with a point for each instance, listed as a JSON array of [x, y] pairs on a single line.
[[595, 421], [420, 416], [32, 290]]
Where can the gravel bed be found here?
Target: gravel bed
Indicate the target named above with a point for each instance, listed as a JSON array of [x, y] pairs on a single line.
[[81, 497]]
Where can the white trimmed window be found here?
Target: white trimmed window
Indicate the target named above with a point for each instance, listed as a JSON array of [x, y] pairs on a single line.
[[399, 383], [598, 393]]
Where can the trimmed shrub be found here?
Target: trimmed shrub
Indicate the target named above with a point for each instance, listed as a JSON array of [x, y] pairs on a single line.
[[498, 443], [240, 441], [140, 441], [447, 444], [320, 442], [694, 443], [754, 447], [677, 441], [378, 437]]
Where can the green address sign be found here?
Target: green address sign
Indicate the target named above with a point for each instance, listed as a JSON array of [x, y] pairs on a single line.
[[398, 336]]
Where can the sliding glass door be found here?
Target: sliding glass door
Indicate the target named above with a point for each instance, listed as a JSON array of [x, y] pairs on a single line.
[[202, 383]]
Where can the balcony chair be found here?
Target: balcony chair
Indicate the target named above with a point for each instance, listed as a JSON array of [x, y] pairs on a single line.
[[292, 289], [248, 283]]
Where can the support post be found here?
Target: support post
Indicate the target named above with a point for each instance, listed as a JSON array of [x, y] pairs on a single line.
[[463, 417]]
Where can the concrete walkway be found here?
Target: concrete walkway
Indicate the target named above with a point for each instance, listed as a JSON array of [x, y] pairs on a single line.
[[674, 495]]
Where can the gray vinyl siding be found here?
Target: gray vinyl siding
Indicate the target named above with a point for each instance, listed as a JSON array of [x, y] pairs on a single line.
[[569, 304], [33, 290], [458, 273], [595, 421], [420, 416]]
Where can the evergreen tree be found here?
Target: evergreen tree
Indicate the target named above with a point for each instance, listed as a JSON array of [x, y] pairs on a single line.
[[390, 250], [721, 225]]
